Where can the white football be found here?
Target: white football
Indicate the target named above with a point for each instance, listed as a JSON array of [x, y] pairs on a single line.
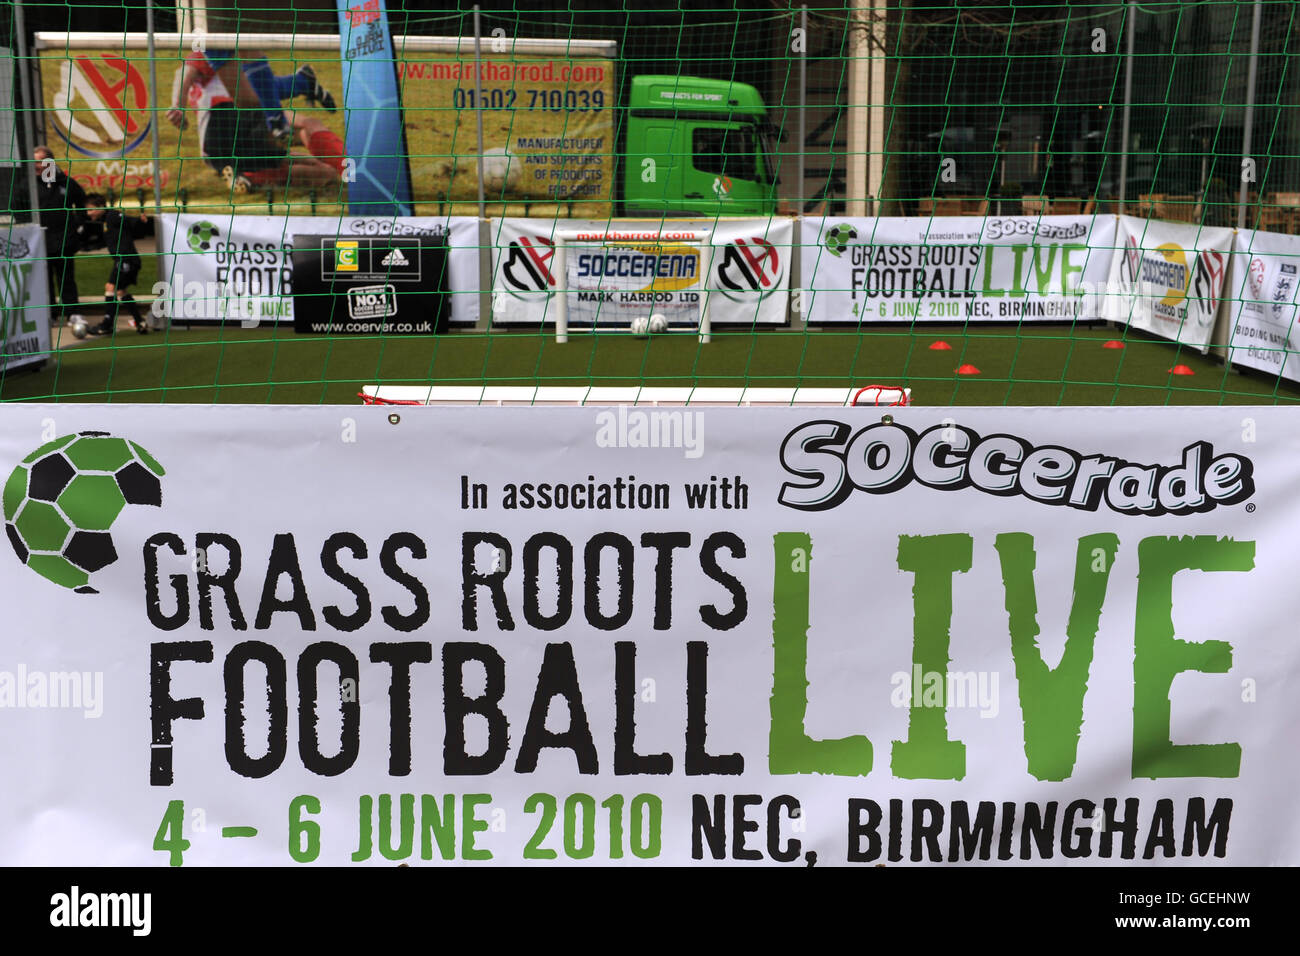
[[640, 325], [658, 323], [501, 171], [79, 327]]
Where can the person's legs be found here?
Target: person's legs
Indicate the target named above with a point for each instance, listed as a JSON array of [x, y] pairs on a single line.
[[257, 71], [67, 269], [296, 171], [116, 294], [54, 277], [304, 83]]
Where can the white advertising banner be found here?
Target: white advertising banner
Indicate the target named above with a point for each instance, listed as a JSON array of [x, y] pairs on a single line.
[[240, 268], [749, 279], [1262, 307], [630, 636], [24, 296], [955, 269], [1168, 279]]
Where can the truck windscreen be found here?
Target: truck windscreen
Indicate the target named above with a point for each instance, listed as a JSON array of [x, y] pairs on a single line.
[[726, 152]]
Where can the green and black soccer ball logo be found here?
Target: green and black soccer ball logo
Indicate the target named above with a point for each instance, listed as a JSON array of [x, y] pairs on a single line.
[[203, 236], [838, 238], [61, 502]]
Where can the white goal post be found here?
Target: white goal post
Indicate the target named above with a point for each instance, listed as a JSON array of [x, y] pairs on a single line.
[[668, 266], [868, 396]]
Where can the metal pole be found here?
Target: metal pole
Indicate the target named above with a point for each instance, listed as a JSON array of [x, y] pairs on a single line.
[[1129, 30], [153, 110], [1250, 113], [803, 103], [559, 266], [478, 106], [29, 128]]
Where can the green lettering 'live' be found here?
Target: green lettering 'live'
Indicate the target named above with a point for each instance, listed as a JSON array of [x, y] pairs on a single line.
[[1052, 699], [790, 749], [927, 752], [1159, 656]]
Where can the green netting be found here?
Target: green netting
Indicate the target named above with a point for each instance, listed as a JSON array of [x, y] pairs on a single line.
[[1001, 132]]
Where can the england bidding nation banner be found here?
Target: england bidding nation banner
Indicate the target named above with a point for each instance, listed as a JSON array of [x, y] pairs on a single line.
[[240, 268], [1262, 305], [628, 636], [993, 269], [620, 269], [1168, 279]]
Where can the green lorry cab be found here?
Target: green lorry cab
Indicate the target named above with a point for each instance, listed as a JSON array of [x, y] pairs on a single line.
[[698, 147]]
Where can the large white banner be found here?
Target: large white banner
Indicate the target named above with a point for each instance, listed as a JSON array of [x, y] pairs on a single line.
[[1262, 308], [994, 269], [1168, 278], [24, 296], [749, 280], [240, 268], [630, 636]]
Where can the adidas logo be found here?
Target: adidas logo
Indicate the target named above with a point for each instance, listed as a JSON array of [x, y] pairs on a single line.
[[395, 258]]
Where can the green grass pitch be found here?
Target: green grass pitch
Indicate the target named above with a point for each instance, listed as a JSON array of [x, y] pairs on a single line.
[[1019, 365]]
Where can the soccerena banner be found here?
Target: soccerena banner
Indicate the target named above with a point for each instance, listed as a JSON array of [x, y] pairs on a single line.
[[748, 282], [993, 269], [629, 636], [240, 268], [1265, 280], [1168, 279]]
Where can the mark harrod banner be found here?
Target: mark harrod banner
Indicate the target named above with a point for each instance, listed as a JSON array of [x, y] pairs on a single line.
[[994, 269], [629, 636]]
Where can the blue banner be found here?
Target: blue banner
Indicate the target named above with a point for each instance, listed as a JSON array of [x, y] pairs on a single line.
[[372, 106]]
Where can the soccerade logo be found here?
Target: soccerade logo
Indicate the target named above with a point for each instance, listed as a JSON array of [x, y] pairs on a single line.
[[748, 268], [61, 501], [101, 108]]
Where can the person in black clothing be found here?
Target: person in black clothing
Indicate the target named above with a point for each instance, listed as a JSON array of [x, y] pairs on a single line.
[[61, 200], [119, 235]]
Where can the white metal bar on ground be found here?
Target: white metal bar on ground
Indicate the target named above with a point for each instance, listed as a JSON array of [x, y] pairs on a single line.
[[517, 395]]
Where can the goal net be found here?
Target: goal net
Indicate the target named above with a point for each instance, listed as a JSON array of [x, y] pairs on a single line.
[[618, 277]]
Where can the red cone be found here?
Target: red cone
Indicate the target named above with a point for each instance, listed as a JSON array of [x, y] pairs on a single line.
[[972, 370], [1113, 344], [1180, 370], [940, 346]]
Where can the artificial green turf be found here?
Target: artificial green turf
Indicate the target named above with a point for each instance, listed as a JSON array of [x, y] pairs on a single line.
[[1026, 365]]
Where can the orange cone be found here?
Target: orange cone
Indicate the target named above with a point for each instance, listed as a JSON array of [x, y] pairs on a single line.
[[972, 370], [1113, 344], [1180, 370], [940, 346]]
